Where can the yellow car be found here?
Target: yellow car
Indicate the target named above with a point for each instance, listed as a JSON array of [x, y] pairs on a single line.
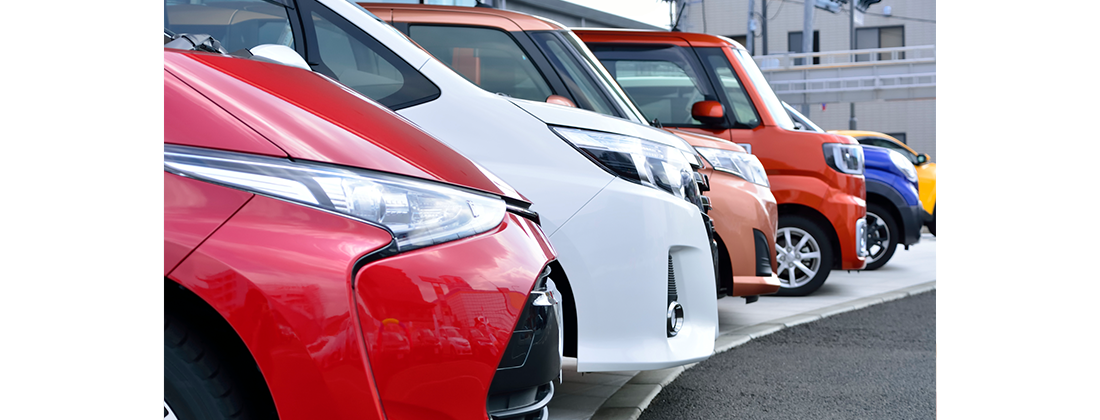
[[926, 170]]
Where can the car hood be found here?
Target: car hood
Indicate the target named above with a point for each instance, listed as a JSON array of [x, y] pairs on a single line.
[[311, 117], [554, 114], [702, 140]]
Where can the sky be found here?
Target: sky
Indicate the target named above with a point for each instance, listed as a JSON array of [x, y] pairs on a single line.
[[653, 12]]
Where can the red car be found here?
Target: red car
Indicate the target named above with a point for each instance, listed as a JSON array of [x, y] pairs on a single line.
[[326, 259]]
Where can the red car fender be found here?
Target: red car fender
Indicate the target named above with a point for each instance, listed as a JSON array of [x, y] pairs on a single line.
[[475, 287], [296, 320], [192, 211]]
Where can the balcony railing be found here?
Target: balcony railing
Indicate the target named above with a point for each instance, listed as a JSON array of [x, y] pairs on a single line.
[[847, 58]]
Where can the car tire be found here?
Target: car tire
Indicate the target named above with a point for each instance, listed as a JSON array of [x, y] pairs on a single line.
[[197, 383], [932, 224], [803, 270], [883, 233]]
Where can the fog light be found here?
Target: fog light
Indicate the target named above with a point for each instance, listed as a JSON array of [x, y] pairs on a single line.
[[675, 318]]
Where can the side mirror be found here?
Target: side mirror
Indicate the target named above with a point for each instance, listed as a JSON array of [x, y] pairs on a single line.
[[923, 158], [708, 112], [560, 100], [279, 54]]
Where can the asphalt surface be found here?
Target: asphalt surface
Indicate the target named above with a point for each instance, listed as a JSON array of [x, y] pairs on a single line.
[[874, 363]]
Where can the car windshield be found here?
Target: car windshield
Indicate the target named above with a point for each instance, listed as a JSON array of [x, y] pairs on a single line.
[[577, 76], [772, 102], [807, 125], [605, 78], [236, 24], [487, 57], [662, 80], [336, 48], [880, 142]]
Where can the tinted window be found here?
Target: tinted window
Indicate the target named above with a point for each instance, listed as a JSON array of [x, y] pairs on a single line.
[[743, 111], [487, 57], [236, 24], [357, 60], [574, 74], [663, 81], [756, 78]]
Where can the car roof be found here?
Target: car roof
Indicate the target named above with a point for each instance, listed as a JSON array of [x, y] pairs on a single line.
[[634, 35], [470, 15], [858, 134]]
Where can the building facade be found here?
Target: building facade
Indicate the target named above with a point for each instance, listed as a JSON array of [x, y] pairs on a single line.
[[889, 23]]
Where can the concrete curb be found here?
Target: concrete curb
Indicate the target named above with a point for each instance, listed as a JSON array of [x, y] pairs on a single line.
[[629, 401]]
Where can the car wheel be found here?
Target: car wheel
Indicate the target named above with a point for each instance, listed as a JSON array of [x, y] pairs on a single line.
[[932, 225], [197, 384], [805, 256], [883, 233]]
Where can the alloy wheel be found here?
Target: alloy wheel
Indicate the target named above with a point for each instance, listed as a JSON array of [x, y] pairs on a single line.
[[878, 237], [799, 256]]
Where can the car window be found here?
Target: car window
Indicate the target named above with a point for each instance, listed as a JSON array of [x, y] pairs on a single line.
[[581, 83], [357, 60], [743, 111], [771, 101], [892, 146], [487, 57], [801, 122], [235, 24], [662, 80]]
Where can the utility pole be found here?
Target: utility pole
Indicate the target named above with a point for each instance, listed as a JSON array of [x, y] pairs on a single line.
[[764, 25], [750, 41], [807, 45], [852, 46]]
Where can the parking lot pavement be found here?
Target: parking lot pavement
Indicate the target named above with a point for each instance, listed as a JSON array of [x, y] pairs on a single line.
[[623, 395]]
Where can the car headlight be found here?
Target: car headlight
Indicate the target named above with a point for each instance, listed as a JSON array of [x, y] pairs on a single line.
[[742, 164], [845, 158], [419, 213], [904, 165], [637, 160]]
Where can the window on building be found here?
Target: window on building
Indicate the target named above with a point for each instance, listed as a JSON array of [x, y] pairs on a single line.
[[880, 37], [741, 39], [794, 44]]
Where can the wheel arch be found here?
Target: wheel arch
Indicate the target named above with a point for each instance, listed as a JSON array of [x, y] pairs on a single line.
[[884, 195], [568, 309], [193, 310], [791, 209]]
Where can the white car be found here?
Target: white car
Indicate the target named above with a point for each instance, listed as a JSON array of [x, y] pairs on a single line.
[[618, 200]]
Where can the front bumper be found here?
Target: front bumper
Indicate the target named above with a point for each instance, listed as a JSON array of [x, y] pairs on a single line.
[[745, 214], [439, 322], [845, 213], [623, 253]]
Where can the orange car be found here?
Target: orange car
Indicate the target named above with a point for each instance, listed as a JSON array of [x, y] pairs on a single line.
[[710, 85], [528, 57]]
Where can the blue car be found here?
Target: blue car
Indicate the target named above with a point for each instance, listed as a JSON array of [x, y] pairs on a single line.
[[894, 212]]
